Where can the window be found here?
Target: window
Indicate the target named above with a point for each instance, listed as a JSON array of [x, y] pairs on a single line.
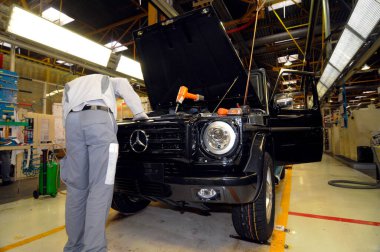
[[294, 91]]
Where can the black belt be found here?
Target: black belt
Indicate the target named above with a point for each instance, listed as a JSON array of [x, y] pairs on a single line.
[[94, 107]]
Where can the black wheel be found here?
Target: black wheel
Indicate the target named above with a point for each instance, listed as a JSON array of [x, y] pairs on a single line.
[[255, 221], [128, 205], [36, 195]]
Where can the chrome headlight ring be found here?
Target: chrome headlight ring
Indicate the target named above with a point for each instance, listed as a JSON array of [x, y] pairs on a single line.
[[219, 138]]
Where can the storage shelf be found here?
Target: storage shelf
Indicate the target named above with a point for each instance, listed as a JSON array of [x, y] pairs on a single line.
[[2, 123]]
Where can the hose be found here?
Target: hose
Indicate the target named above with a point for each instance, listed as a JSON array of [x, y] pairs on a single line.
[[351, 184], [359, 184]]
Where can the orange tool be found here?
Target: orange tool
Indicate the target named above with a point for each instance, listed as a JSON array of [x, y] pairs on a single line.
[[183, 93], [222, 111]]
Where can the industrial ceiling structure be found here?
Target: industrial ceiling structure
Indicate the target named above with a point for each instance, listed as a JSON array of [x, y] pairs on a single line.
[[281, 37]]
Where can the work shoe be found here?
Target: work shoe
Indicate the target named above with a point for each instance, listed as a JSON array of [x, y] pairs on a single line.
[[5, 183]]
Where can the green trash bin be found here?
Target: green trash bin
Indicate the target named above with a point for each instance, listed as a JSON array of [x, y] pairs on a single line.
[[49, 181]]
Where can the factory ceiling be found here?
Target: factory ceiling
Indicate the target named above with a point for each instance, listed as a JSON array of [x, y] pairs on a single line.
[[115, 20]]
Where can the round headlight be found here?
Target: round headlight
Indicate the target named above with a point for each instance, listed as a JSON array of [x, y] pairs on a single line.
[[219, 137]]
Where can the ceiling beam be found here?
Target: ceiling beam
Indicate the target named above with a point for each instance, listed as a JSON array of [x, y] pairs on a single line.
[[119, 23], [165, 8]]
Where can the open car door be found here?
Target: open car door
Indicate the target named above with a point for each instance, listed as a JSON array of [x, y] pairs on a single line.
[[295, 118]]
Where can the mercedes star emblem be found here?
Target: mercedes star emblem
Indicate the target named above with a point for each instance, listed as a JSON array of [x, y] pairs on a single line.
[[138, 141]]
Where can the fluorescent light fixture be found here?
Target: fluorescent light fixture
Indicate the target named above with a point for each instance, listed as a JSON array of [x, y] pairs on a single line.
[[288, 63], [289, 82], [330, 74], [54, 92], [284, 41], [56, 16], [289, 89], [373, 99], [286, 58], [129, 67], [116, 46], [64, 63], [283, 4], [369, 92], [345, 50], [360, 96], [353, 100], [35, 28], [321, 89], [365, 17], [7, 45], [365, 67]]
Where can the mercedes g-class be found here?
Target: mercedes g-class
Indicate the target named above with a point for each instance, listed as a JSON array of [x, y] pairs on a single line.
[[195, 156]]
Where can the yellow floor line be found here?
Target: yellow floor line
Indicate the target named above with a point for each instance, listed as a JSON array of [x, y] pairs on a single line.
[[278, 237], [32, 239]]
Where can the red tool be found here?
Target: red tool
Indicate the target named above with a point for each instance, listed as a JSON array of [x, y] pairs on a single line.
[[183, 93]]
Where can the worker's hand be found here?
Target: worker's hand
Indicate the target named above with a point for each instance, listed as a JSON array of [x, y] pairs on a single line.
[[140, 116]]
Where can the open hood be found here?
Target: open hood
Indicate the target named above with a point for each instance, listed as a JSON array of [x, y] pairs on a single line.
[[191, 50]]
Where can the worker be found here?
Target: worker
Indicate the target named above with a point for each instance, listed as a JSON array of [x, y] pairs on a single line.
[[5, 167], [88, 169]]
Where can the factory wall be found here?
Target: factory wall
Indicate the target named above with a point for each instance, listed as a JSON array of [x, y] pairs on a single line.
[[361, 124]]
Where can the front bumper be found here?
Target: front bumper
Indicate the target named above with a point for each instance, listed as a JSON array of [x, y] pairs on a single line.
[[230, 190]]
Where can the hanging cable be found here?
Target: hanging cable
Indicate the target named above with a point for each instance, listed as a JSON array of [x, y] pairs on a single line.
[[259, 7]]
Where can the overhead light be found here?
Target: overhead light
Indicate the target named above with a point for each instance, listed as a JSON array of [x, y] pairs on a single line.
[[330, 74], [283, 4], [56, 16], [7, 44], [366, 67], [345, 50], [369, 92], [54, 92], [116, 46], [289, 82], [284, 59], [321, 89], [129, 67], [360, 96], [35, 28], [289, 89], [64, 63], [365, 17], [285, 40], [353, 100], [373, 99], [288, 63]]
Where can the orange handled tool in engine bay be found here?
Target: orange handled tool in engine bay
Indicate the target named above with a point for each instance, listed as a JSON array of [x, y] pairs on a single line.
[[183, 93]]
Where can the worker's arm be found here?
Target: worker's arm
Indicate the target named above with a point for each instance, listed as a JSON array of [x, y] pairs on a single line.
[[124, 90]]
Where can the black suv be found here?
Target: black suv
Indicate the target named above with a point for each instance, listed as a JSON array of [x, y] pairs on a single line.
[[195, 157]]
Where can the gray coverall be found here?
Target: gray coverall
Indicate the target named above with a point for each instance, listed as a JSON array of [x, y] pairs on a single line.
[[5, 165], [88, 169]]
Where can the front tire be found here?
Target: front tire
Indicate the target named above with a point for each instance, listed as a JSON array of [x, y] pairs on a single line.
[[255, 221], [128, 205]]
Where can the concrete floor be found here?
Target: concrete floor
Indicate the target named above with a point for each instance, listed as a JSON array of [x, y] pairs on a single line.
[[319, 218]]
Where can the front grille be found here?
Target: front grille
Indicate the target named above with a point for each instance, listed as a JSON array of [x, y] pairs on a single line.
[[140, 187], [164, 140]]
